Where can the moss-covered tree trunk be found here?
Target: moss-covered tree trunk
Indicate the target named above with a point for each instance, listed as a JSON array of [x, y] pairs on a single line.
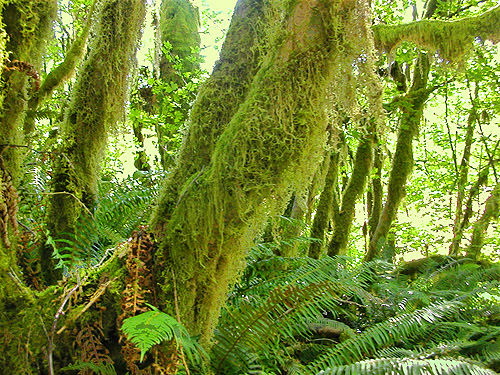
[[462, 178], [179, 26], [268, 149], [328, 201], [375, 193], [402, 164], [27, 24], [97, 102], [217, 102], [355, 188]]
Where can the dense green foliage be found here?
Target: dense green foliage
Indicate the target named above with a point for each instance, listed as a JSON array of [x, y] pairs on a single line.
[[324, 202]]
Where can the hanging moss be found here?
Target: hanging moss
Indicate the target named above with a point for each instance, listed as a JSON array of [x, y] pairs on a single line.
[[217, 101], [269, 149], [97, 102], [451, 39]]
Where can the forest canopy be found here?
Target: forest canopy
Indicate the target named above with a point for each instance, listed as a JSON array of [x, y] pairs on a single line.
[[324, 201]]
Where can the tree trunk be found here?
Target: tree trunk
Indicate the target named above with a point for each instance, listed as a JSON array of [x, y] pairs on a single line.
[[325, 207], [179, 26], [269, 148], [355, 188], [27, 25], [461, 184], [411, 113], [96, 104], [491, 211]]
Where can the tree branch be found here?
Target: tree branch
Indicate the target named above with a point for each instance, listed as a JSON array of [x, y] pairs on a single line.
[[451, 39]]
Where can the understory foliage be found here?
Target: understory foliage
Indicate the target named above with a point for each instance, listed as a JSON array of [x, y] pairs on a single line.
[[335, 316]]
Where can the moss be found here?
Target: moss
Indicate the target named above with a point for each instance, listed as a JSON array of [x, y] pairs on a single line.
[[451, 39], [27, 25], [269, 149], [217, 101], [97, 102], [179, 25]]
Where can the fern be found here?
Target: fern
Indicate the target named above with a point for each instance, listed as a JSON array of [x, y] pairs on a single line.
[[153, 327], [286, 312], [384, 366]]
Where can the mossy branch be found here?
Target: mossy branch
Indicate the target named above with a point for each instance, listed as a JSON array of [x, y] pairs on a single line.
[[451, 39], [64, 70]]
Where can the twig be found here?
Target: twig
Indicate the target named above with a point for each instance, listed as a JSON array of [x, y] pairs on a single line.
[[97, 294], [56, 318]]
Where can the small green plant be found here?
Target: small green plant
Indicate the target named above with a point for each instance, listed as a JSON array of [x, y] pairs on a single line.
[[153, 327]]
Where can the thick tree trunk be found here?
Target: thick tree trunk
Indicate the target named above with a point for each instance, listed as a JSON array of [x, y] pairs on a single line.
[[269, 148]]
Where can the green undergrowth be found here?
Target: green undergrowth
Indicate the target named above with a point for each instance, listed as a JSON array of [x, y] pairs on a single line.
[[337, 316]]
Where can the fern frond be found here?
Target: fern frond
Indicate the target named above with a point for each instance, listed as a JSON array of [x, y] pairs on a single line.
[[286, 312], [383, 335], [408, 366], [153, 327]]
